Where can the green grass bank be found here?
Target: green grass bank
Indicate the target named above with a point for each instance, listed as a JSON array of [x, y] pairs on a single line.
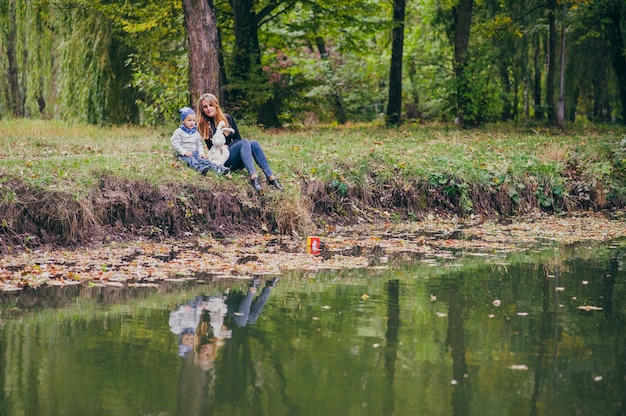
[[74, 184]]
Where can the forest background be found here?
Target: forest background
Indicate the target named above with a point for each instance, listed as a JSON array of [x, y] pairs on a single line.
[[293, 62]]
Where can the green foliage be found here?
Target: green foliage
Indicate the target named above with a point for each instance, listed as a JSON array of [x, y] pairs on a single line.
[[161, 93], [125, 61]]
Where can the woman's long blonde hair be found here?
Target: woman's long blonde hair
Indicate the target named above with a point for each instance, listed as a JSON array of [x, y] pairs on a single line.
[[204, 122]]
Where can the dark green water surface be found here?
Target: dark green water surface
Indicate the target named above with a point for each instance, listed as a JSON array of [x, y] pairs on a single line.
[[525, 334]]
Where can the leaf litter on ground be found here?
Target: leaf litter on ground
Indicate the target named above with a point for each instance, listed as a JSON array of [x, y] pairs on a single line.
[[364, 246]]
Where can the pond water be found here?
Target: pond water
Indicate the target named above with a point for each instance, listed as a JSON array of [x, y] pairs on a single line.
[[537, 333]]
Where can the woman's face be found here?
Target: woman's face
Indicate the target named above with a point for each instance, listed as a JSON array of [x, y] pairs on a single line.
[[208, 109]]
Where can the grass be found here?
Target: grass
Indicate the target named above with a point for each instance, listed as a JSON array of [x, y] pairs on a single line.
[[52, 153], [343, 165]]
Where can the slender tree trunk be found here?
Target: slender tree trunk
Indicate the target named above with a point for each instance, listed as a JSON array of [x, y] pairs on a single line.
[[13, 95], [394, 103], [551, 62], [507, 108], [618, 51], [462, 25], [537, 80], [561, 104], [204, 68]]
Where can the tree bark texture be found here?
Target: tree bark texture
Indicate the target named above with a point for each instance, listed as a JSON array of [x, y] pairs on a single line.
[[462, 24], [204, 69], [394, 102]]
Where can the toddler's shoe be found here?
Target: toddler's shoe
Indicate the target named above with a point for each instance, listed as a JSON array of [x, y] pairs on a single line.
[[223, 170]]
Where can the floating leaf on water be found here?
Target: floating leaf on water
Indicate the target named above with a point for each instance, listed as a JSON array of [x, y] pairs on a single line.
[[518, 367], [589, 308]]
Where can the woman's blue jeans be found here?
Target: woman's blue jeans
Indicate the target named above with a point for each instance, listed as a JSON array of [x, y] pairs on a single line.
[[243, 154]]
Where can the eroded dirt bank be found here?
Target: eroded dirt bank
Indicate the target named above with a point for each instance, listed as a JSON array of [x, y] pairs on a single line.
[[118, 210], [148, 262]]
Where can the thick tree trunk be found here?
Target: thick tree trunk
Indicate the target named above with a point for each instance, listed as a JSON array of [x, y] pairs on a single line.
[[247, 71], [618, 52], [204, 69], [551, 62], [394, 103], [462, 25]]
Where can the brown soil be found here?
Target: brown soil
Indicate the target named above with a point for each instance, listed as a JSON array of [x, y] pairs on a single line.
[[123, 210]]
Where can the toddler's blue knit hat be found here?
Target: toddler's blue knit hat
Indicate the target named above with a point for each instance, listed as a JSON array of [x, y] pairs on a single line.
[[184, 112]]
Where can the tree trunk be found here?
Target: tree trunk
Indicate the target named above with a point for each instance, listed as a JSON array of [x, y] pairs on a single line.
[[204, 69], [551, 62], [507, 107], [561, 105], [247, 72], [462, 24], [537, 80], [616, 41], [394, 103], [13, 94]]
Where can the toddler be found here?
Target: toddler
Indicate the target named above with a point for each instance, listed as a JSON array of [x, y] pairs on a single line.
[[189, 145]]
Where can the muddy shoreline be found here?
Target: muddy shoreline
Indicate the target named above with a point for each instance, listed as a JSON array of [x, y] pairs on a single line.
[[147, 262]]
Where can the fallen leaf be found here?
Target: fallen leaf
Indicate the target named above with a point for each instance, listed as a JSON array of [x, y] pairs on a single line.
[[590, 308]]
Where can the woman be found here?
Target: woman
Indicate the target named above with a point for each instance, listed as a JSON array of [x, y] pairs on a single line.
[[243, 153]]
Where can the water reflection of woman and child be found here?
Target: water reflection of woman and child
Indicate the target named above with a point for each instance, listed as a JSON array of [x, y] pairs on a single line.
[[200, 323]]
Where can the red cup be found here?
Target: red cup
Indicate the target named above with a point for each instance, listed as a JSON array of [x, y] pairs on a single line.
[[313, 245]]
